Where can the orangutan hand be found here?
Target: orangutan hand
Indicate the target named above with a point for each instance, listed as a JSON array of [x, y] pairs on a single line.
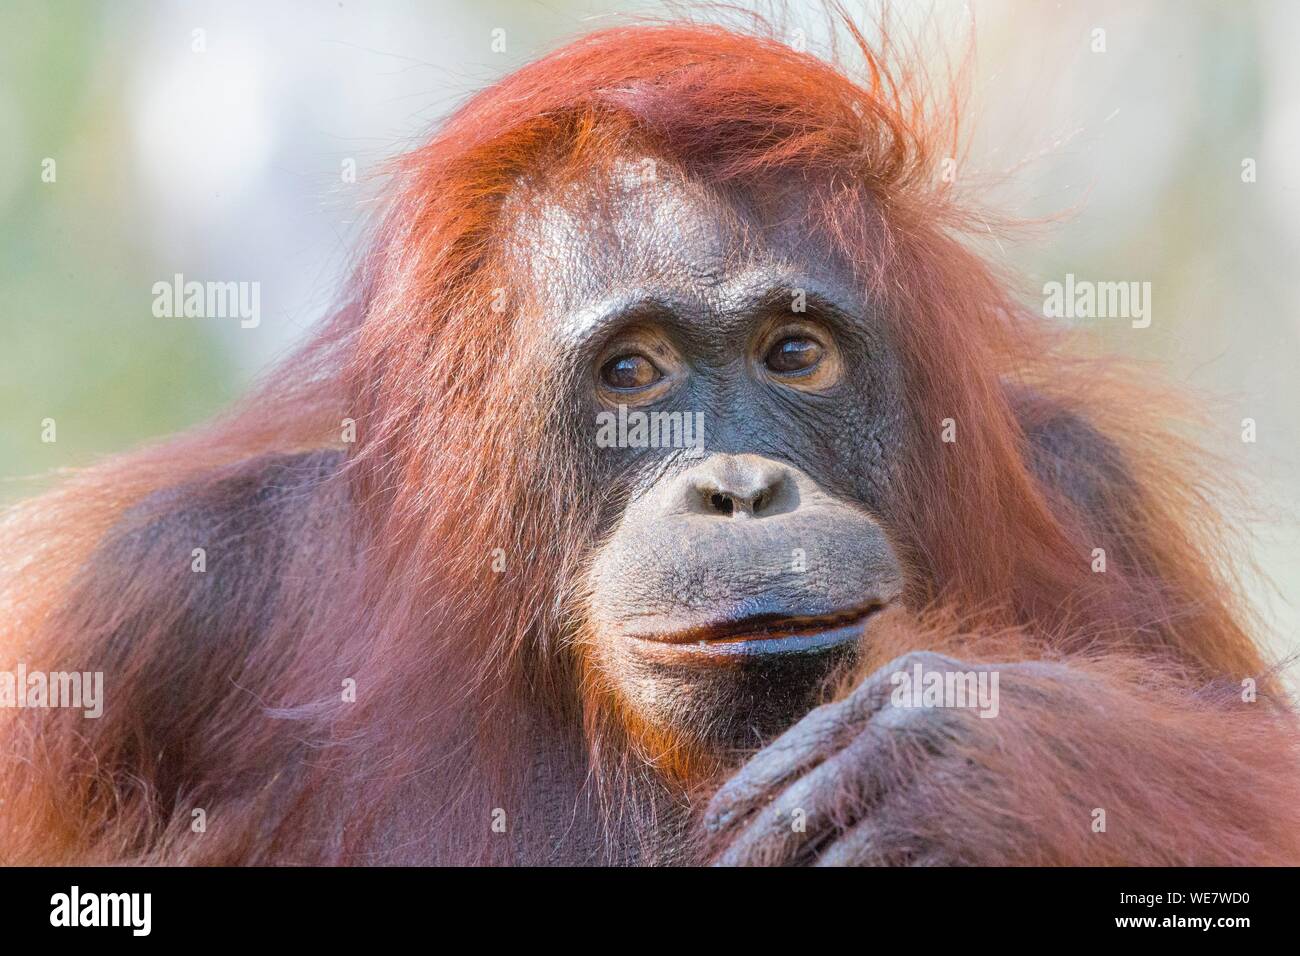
[[874, 780]]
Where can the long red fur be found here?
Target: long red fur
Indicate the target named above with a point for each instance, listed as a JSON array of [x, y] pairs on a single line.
[[386, 578]]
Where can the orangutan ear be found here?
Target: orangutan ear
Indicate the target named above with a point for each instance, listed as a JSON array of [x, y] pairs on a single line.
[[1070, 457]]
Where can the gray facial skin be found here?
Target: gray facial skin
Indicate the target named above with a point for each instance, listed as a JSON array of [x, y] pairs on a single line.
[[733, 580]]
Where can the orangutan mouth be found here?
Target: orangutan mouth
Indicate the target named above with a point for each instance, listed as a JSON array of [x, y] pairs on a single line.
[[772, 632]]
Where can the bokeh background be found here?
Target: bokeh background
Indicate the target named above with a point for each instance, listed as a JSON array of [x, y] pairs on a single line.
[[226, 163]]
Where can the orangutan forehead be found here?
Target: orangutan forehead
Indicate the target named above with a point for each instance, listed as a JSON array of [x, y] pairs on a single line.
[[643, 230]]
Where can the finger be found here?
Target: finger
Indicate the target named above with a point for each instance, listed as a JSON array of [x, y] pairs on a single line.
[[813, 739], [863, 844], [871, 842], [890, 833], [794, 752], [829, 797]]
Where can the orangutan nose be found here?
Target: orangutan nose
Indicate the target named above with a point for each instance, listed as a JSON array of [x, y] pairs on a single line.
[[738, 486]]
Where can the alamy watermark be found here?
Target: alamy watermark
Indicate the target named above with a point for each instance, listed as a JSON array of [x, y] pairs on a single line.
[[179, 299], [930, 688], [79, 690], [637, 429], [1084, 299], [74, 908]]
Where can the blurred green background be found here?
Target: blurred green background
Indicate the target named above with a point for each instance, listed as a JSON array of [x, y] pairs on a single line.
[[219, 154]]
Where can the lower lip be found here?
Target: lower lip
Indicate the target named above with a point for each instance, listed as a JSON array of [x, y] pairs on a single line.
[[741, 648]]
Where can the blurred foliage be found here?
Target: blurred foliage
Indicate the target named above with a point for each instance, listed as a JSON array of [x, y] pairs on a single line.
[[78, 341]]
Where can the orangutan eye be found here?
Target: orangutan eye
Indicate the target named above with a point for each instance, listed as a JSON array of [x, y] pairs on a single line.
[[792, 355], [628, 372]]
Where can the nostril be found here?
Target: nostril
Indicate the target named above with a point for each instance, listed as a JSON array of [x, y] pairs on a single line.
[[736, 487]]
